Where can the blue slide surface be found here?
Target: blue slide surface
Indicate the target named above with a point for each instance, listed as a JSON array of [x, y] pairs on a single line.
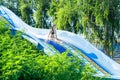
[[104, 65]]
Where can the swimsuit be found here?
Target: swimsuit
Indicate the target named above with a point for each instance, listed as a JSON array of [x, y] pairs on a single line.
[[52, 32]]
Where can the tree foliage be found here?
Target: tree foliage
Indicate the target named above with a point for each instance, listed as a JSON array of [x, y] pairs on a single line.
[[26, 11], [40, 14]]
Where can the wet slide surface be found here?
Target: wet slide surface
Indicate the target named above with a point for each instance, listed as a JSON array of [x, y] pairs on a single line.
[[71, 41]]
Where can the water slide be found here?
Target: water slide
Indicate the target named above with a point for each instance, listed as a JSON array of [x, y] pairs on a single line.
[[73, 43]]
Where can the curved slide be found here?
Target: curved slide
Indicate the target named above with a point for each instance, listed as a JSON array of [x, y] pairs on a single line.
[[73, 43]]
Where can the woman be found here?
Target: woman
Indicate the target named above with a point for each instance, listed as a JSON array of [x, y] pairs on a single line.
[[53, 34]]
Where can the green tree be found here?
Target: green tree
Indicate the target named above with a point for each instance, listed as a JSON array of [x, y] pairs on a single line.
[[65, 15], [26, 11], [114, 22], [97, 21], [40, 14]]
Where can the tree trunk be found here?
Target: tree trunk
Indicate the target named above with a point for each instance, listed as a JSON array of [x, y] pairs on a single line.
[[106, 45]]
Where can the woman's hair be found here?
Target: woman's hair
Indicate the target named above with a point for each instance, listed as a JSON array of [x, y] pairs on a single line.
[[53, 27]]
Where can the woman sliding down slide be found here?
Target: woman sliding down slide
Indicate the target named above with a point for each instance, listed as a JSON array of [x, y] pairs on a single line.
[[53, 35]]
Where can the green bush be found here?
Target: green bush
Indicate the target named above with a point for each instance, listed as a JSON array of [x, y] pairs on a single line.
[[20, 60]]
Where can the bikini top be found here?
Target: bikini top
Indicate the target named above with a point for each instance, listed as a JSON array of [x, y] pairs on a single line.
[[52, 31]]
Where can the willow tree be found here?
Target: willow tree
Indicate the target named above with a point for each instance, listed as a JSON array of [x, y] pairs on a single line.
[[25, 11], [40, 14], [100, 20], [65, 15], [94, 21], [114, 22]]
